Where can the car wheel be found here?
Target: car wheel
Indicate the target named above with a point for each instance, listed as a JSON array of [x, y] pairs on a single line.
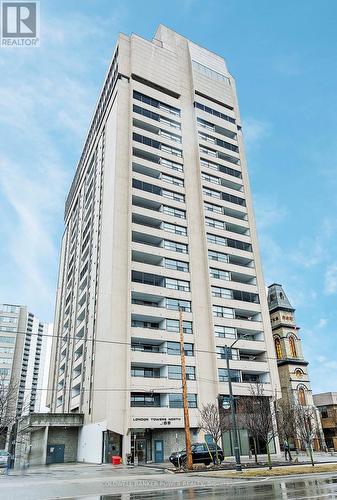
[[207, 462], [184, 463]]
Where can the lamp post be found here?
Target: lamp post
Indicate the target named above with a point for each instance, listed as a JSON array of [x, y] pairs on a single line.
[[238, 466]]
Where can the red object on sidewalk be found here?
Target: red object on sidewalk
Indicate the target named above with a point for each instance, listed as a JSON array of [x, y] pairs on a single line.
[[116, 460]]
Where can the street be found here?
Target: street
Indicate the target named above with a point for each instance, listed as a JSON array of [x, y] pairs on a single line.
[[93, 482]]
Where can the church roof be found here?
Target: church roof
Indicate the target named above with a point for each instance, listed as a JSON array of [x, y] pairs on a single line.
[[277, 299]]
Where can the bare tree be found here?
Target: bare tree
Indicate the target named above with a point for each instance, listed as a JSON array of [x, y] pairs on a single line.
[[246, 418], [259, 413], [306, 426], [215, 422], [286, 420], [8, 400]]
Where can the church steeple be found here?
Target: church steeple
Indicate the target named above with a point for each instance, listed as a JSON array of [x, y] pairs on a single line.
[[292, 367], [277, 299]]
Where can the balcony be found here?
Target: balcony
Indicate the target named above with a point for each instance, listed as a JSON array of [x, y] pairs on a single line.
[[252, 378], [157, 118], [155, 280], [216, 129], [152, 145], [149, 159], [147, 352], [211, 153], [157, 131], [146, 372]]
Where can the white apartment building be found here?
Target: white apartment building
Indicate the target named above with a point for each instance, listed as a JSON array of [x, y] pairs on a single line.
[[24, 357], [159, 217]]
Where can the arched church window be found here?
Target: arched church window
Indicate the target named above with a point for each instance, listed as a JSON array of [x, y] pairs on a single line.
[[278, 348], [301, 396], [292, 347]]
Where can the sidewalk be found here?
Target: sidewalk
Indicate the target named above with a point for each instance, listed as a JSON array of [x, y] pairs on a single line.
[[300, 458], [76, 467], [65, 467]]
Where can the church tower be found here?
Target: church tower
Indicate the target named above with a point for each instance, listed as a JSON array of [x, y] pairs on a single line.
[[292, 367]]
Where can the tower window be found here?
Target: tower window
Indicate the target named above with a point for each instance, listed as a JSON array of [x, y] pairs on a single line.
[[301, 396], [292, 347], [278, 348]]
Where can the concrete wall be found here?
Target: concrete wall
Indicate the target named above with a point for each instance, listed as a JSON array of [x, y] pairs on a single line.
[[37, 447], [90, 442], [68, 437], [174, 440]]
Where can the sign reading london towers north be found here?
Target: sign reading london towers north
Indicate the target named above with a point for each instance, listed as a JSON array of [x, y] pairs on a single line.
[[20, 24]]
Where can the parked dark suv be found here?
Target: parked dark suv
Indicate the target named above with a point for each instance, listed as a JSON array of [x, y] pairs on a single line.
[[201, 454]]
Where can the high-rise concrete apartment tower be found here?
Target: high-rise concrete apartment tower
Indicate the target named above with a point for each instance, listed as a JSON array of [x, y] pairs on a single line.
[[159, 217], [24, 354]]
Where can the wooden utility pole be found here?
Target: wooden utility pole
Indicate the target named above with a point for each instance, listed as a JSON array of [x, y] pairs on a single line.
[[185, 400]]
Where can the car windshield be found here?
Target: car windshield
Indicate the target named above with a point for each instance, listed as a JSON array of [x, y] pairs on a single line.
[[3, 453]]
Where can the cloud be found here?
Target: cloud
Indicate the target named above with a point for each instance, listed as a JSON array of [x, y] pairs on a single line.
[[34, 204], [330, 279], [44, 116], [322, 323], [255, 132], [314, 250], [288, 65], [269, 211]]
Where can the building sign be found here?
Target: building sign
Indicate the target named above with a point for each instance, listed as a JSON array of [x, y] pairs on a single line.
[[157, 421]]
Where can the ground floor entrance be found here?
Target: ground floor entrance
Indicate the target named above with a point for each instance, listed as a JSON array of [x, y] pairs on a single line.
[[112, 446], [55, 454], [156, 445], [246, 443]]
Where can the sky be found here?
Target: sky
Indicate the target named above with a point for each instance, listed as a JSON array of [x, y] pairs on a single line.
[[283, 56]]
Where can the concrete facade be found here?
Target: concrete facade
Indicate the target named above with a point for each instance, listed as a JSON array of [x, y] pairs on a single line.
[[326, 403], [24, 356], [159, 217], [24, 362], [40, 434]]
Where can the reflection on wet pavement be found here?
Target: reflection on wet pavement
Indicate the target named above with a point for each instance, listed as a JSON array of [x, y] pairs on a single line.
[[276, 489]]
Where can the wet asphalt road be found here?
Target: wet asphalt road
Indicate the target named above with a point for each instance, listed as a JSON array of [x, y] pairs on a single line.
[[313, 487], [103, 483]]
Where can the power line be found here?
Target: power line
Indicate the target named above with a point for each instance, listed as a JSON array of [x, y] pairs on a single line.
[[121, 342]]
